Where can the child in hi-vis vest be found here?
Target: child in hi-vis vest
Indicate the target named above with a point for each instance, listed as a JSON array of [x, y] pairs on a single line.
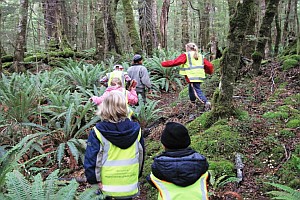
[[179, 172], [115, 150]]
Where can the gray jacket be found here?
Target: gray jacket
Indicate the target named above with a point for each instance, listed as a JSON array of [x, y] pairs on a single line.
[[141, 75]]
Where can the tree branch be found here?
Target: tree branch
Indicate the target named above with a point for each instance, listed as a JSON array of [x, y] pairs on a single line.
[[193, 6]]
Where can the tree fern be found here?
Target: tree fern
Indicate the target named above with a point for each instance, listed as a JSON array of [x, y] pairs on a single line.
[[288, 193]]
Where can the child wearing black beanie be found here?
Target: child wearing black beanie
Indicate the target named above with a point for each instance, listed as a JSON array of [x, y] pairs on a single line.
[[179, 171]]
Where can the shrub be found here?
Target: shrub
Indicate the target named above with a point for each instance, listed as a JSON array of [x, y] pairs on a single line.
[[289, 63], [293, 123]]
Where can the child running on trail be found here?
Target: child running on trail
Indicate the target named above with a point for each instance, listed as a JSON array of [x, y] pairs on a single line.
[[194, 67], [115, 150], [116, 84]]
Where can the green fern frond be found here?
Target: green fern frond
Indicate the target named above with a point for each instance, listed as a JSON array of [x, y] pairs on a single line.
[[17, 186], [50, 185], [60, 152], [73, 149], [37, 189], [289, 192], [67, 192], [89, 194]]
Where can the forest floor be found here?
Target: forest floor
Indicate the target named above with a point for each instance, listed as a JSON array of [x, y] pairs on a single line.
[[263, 88]]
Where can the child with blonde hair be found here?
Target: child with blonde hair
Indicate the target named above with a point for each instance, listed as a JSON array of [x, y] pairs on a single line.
[[115, 150], [194, 67], [116, 85]]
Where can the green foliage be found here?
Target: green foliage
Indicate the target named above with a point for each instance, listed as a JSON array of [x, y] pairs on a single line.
[[218, 141], [287, 193], [20, 188], [146, 113], [293, 123], [166, 77], [196, 125], [20, 96], [9, 160], [219, 181], [35, 58], [290, 63], [81, 75], [222, 167], [184, 94], [274, 115]]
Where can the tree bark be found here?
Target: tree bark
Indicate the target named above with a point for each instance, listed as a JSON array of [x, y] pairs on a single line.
[[205, 26], [164, 16], [113, 38], [0, 40], [258, 55], [99, 32], [222, 101], [147, 30], [21, 37], [155, 21], [184, 23], [199, 19], [74, 23], [249, 45], [130, 22], [296, 18], [286, 24], [278, 34]]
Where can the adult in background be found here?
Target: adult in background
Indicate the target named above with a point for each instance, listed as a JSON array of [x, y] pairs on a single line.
[[179, 172], [140, 73], [115, 150], [194, 67], [116, 73]]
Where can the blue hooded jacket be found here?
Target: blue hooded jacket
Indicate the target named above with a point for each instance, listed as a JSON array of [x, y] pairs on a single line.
[[122, 134]]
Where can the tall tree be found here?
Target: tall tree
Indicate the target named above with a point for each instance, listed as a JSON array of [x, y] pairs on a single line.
[[132, 31], [21, 37], [199, 19], [155, 21], [147, 30], [184, 23], [263, 35], [0, 39], [164, 17], [222, 101], [204, 25], [250, 43], [74, 22], [278, 33], [286, 24], [113, 38], [55, 24], [99, 31]]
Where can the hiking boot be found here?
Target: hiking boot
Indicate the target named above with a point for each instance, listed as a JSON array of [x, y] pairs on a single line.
[[207, 106]]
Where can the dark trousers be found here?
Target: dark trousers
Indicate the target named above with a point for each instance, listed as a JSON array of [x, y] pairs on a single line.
[[143, 94], [195, 92], [110, 198]]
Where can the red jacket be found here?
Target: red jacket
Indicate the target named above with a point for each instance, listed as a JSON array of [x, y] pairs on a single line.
[[180, 60]]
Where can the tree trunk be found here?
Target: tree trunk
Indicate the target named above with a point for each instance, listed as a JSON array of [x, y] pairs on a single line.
[[249, 45], [74, 23], [99, 32], [92, 24], [147, 30], [258, 55], [286, 24], [278, 34], [155, 21], [130, 22], [164, 16], [205, 26], [84, 25], [184, 23], [21, 37], [222, 101], [232, 6], [199, 19], [113, 38], [296, 18], [0, 40]]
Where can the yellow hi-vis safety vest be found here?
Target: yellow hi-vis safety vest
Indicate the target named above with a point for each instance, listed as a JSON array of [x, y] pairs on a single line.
[[120, 168], [116, 74], [193, 69], [170, 191]]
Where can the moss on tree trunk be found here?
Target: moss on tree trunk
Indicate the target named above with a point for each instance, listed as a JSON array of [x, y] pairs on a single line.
[[263, 35], [130, 22], [222, 101]]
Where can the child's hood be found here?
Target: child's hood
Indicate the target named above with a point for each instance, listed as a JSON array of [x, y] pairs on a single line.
[[122, 134]]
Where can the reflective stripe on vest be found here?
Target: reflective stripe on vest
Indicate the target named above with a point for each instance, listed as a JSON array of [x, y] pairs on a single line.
[[193, 69], [120, 168], [116, 74], [170, 191]]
